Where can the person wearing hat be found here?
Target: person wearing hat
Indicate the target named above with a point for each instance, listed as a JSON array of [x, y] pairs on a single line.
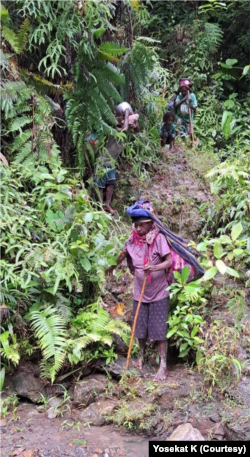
[[183, 102], [147, 253], [105, 176]]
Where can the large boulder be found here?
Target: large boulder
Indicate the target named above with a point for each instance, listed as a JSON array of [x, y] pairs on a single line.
[[28, 386], [87, 390], [186, 432]]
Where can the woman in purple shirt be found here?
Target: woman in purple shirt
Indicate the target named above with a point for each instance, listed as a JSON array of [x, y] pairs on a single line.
[[148, 253]]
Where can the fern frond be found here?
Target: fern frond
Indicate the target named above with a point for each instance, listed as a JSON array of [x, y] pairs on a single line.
[[23, 34], [117, 326], [42, 85], [7, 297], [11, 38], [50, 330], [20, 140], [139, 62], [214, 36], [24, 153], [63, 306], [4, 60], [20, 122], [110, 51], [4, 14]]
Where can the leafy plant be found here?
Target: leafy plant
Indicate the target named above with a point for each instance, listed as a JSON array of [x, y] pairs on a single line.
[[231, 249], [49, 328], [9, 347], [17, 40], [185, 320], [216, 359], [93, 328]]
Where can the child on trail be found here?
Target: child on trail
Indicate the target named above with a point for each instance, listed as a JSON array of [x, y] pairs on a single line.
[[183, 102], [168, 132], [105, 177], [148, 254]]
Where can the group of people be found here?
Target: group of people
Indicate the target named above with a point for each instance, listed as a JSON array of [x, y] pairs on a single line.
[[147, 251], [183, 105]]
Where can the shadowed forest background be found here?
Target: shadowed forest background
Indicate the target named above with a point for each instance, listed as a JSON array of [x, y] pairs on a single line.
[[65, 65]]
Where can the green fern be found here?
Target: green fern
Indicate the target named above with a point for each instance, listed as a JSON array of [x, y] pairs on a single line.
[[110, 51], [23, 35], [17, 40], [4, 60], [50, 330], [7, 296], [91, 105], [42, 85], [138, 64], [95, 326], [214, 36], [4, 13]]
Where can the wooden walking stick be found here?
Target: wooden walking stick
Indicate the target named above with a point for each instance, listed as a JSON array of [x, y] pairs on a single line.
[[135, 321], [191, 132]]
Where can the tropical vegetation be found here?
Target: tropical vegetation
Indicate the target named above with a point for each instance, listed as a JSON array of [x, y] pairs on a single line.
[[65, 65]]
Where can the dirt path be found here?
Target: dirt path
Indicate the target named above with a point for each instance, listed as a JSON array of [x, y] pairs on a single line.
[[34, 435], [177, 190]]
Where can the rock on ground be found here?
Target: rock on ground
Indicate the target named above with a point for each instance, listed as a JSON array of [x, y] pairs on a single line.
[[186, 432], [95, 413], [86, 391], [28, 386]]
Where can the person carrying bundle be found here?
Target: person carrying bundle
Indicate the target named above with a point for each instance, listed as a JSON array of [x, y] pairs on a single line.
[[153, 253], [185, 106], [148, 254], [105, 176]]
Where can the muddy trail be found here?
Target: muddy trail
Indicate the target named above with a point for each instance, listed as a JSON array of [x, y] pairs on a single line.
[[106, 413]]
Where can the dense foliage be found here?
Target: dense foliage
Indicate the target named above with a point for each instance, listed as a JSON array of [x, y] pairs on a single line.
[[65, 65]]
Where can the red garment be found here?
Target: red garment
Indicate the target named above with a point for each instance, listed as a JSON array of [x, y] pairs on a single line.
[[139, 249]]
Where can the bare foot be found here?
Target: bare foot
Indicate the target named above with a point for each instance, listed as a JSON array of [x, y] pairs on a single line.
[[161, 374], [108, 209], [138, 363]]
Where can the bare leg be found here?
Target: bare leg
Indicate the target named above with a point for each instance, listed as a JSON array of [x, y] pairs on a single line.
[[139, 362], [161, 374], [109, 195], [171, 144]]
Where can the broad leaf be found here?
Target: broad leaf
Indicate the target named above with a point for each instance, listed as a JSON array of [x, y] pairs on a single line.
[[221, 266], [236, 231], [231, 62], [88, 217], [185, 274], [194, 331], [2, 378], [246, 70], [171, 332], [238, 251], [232, 272], [218, 250], [210, 274], [85, 263]]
